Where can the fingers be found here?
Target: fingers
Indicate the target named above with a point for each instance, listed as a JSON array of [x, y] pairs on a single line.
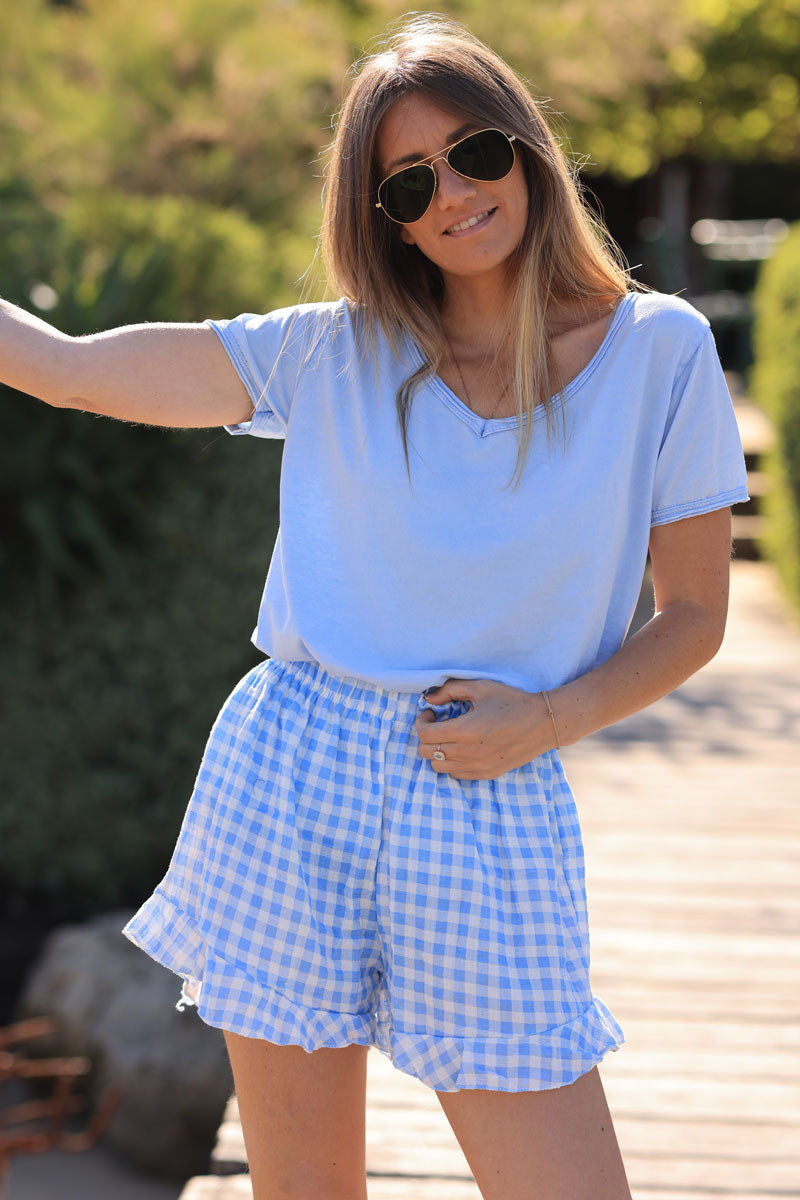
[[442, 765], [452, 728], [454, 763], [452, 689], [428, 749], [423, 724], [447, 733], [471, 690]]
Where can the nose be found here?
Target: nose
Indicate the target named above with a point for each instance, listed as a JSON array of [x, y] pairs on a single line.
[[451, 188]]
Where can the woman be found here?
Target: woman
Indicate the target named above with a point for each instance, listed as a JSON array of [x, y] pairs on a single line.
[[483, 437]]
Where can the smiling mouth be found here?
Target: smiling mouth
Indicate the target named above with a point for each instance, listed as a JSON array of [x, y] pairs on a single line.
[[471, 221]]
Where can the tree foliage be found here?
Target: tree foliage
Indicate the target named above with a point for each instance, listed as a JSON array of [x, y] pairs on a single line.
[[640, 83], [225, 101], [229, 101]]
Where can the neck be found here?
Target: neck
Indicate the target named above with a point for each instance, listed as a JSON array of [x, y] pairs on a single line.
[[475, 309]]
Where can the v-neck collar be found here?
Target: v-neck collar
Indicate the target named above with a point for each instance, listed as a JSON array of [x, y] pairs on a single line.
[[483, 426]]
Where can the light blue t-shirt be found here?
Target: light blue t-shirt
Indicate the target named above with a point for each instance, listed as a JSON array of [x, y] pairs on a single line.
[[456, 574]]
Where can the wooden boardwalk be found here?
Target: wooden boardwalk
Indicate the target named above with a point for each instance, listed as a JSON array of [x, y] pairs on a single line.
[[691, 819]]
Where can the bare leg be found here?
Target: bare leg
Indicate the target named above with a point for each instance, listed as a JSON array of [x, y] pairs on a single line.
[[553, 1145], [303, 1117]]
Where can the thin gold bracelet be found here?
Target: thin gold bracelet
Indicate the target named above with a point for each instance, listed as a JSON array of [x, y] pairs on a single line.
[[552, 716]]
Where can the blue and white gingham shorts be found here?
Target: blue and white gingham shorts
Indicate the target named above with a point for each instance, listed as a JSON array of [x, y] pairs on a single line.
[[329, 887]]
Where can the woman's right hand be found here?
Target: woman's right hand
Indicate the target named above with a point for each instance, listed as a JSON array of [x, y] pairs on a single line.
[[176, 375]]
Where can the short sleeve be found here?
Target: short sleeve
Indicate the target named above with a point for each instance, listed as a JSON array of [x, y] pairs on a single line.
[[265, 353], [700, 465]]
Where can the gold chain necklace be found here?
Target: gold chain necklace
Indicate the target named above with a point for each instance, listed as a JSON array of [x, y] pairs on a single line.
[[466, 390]]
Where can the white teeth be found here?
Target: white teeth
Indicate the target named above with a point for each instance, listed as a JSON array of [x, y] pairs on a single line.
[[468, 224]]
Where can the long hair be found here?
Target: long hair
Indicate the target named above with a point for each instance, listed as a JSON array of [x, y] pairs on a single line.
[[565, 256]]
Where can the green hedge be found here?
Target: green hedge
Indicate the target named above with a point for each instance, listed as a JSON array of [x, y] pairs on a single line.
[[132, 558], [776, 387], [109, 698]]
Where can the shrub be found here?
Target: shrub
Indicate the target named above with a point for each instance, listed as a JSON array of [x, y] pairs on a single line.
[[74, 489], [776, 387], [133, 558], [109, 697]]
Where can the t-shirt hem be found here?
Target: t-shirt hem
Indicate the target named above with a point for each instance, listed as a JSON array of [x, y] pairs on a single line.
[[696, 508], [227, 336], [239, 361]]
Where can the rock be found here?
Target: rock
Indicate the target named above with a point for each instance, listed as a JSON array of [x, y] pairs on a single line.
[[117, 1006]]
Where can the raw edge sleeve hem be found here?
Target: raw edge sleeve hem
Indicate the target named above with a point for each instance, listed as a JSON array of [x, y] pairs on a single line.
[[697, 508]]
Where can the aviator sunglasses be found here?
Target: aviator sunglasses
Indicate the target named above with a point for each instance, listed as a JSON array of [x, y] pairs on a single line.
[[406, 195]]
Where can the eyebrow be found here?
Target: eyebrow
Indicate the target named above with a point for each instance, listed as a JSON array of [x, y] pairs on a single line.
[[417, 157]]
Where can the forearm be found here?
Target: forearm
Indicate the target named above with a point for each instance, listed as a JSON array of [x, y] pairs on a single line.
[[657, 659], [507, 726]]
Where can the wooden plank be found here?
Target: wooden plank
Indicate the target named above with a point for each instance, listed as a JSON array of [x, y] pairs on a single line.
[[689, 912], [654, 1191], [701, 954], [722, 1038], [212, 1187], [721, 1175], [676, 1002], [740, 1066], [755, 427], [229, 1156], [678, 1095], [758, 483], [419, 1188], [748, 527], [655, 1139], [759, 849]]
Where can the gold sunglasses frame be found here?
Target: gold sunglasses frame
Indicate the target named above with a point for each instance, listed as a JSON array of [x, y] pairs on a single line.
[[442, 154]]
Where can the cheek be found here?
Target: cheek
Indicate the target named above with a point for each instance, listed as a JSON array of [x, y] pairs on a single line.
[[522, 193]]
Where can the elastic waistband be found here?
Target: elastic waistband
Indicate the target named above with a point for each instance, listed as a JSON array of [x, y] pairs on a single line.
[[352, 692]]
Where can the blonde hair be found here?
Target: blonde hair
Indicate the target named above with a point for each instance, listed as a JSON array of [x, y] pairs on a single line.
[[565, 256]]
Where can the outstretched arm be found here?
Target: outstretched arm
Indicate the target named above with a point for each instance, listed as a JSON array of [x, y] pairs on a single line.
[[177, 375], [508, 727]]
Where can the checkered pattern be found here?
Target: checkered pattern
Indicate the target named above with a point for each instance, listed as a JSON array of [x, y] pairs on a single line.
[[329, 887]]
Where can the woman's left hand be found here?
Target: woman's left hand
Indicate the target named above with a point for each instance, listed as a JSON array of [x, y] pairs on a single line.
[[505, 728]]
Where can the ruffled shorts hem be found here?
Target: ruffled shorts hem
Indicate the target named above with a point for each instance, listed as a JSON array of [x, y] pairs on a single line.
[[227, 998]]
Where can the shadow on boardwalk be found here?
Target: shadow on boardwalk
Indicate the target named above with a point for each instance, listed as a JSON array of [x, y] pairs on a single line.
[[748, 693]]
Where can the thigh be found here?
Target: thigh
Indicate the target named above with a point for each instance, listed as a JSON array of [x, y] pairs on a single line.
[[303, 1118], [562, 1138]]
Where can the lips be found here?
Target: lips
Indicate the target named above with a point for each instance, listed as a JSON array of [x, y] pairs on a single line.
[[470, 222]]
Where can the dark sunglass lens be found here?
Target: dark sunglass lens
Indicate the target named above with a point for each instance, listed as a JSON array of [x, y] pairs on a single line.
[[406, 195], [487, 155]]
